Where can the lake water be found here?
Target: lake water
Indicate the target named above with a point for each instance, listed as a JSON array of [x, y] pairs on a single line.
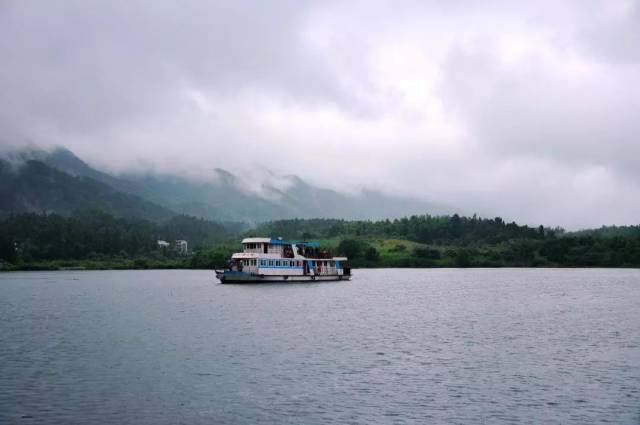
[[392, 346]]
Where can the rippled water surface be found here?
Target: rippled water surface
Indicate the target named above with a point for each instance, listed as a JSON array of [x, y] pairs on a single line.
[[391, 346]]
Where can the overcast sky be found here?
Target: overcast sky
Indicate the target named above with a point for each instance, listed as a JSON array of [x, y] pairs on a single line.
[[528, 110]]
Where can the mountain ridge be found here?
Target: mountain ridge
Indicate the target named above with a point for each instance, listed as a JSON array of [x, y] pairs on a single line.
[[34, 186], [227, 197]]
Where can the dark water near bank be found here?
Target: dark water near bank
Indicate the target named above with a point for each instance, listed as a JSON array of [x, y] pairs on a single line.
[[392, 346]]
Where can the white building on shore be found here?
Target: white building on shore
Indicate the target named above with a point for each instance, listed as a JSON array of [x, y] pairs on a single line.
[[182, 247]]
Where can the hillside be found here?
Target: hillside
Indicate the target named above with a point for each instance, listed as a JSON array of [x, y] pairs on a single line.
[[94, 237], [610, 232], [454, 241], [33, 186], [225, 196]]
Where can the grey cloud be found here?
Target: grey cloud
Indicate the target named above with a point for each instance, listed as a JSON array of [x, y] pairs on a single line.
[[533, 109], [613, 36], [416, 97], [81, 66]]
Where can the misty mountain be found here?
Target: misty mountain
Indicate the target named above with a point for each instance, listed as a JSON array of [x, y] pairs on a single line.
[[33, 186], [228, 197]]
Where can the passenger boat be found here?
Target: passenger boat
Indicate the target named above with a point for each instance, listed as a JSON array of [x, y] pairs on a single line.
[[277, 260]]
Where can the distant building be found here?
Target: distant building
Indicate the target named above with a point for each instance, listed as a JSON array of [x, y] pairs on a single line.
[[182, 247], [163, 244]]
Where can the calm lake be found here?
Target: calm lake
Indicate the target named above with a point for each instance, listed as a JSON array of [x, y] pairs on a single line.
[[392, 346]]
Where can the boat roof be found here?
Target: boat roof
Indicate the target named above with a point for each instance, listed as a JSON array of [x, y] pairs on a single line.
[[244, 255], [280, 241], [256, 240]]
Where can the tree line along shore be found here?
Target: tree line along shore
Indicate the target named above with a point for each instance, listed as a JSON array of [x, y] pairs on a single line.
[[97, 240]]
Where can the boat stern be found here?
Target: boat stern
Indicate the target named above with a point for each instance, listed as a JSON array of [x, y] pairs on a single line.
[[233, 276], [220, 275]]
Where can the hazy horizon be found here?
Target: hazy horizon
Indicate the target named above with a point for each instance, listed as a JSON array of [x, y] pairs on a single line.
[[528, 112]]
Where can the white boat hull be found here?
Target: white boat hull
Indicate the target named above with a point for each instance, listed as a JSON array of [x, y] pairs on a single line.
[[240, 277]]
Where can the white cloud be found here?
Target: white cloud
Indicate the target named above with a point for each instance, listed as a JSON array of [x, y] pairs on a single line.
[[525, 111]]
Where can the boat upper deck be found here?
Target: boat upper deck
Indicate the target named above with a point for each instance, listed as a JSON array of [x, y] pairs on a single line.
[[279, 248]]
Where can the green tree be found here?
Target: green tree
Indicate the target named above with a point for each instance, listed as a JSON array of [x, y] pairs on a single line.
[[421, 251], [351, 248], [463, 258], [212, 258], [371, 254]]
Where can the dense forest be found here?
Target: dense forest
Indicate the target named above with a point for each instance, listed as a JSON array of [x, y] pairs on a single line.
[[95, 239]]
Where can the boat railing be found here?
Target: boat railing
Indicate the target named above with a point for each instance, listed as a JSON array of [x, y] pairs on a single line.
[[319, 256], [326, 271]]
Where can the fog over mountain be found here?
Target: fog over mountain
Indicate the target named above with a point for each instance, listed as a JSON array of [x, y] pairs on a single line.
[[524, 110], [39, 180]]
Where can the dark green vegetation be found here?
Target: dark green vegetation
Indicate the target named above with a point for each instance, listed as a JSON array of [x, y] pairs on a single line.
[[94, 239], [34, 187], [454, 241], [97, 240]]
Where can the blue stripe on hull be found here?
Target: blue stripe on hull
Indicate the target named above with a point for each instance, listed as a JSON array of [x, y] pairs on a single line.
[[241, 277]]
